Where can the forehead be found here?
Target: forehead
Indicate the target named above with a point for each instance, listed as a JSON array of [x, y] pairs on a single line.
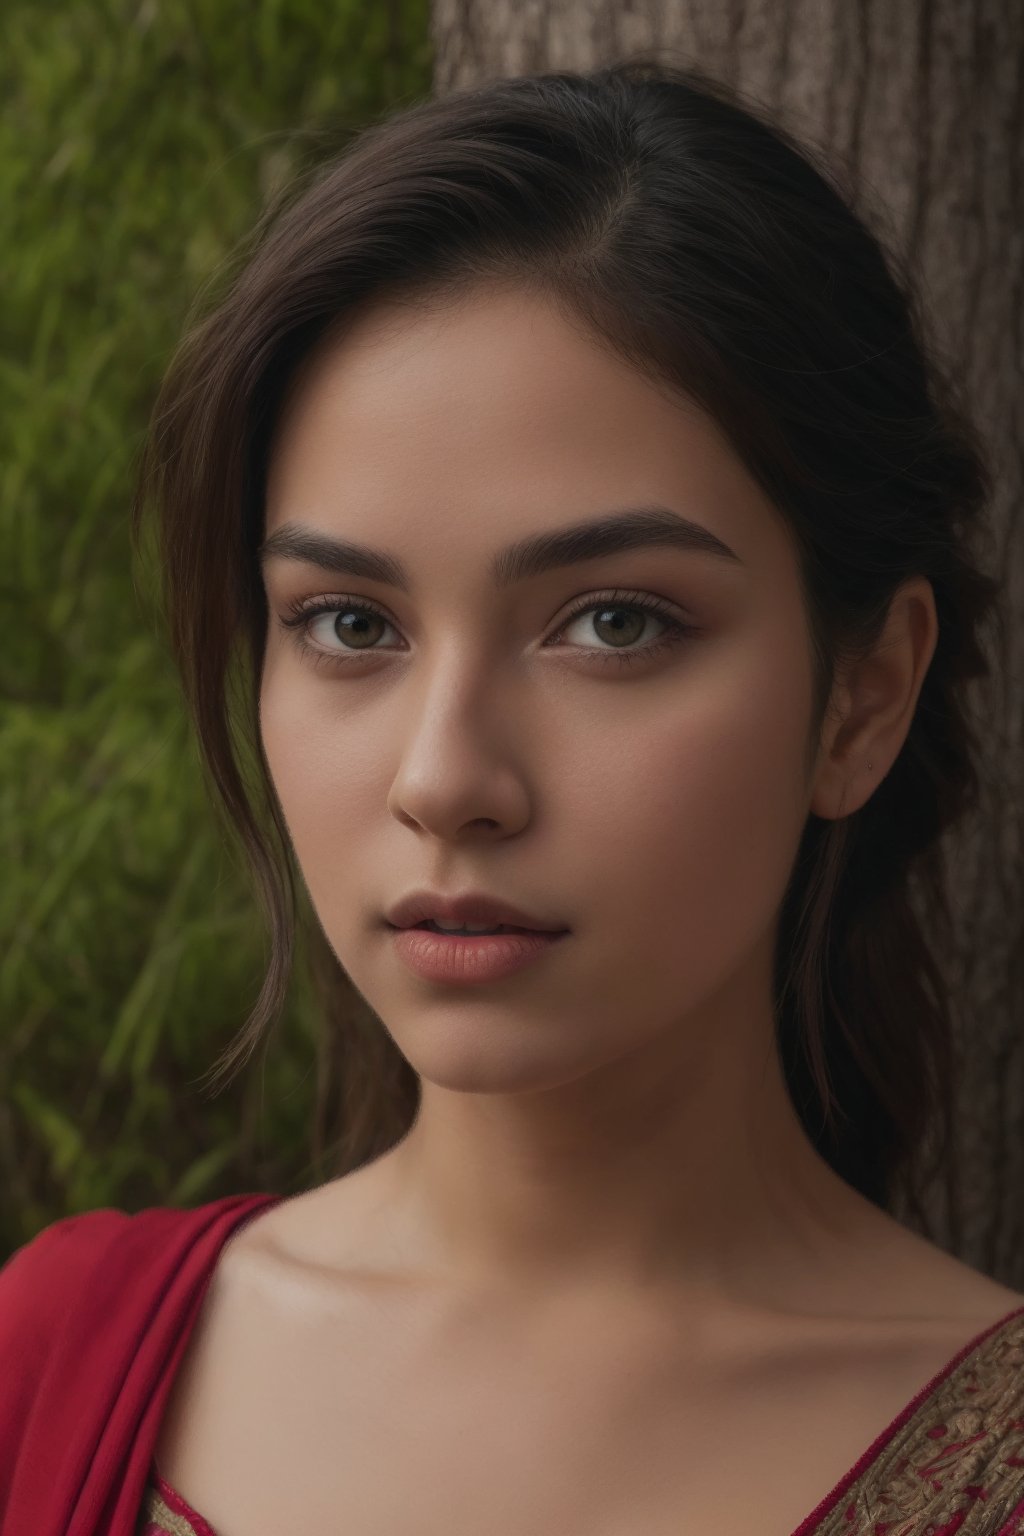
[[494, 412], [488, 379]]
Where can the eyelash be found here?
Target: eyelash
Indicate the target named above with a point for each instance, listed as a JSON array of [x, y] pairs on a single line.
[[302, 615]]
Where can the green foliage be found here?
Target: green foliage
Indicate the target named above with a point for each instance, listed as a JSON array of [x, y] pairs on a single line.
[[138, 145]]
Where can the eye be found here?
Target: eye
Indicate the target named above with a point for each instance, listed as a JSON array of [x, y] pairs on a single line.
[[620, 618], [639, 608], [363, 629]]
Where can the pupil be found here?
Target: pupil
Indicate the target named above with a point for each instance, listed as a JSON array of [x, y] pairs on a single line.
[[618, 626], [355, 623]]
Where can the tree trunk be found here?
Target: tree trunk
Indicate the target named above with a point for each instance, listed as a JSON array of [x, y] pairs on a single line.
[[924, 102]]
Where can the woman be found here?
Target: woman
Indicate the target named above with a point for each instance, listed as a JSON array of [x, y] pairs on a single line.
[[573, 470]]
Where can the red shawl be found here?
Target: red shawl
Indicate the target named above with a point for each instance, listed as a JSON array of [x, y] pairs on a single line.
[[95, 1313]]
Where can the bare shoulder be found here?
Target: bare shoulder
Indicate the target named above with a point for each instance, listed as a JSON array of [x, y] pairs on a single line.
[[931, 1282], [335, 1232], [340, 1230]]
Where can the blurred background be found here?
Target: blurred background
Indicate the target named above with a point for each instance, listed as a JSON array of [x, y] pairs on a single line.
[[138, 143]]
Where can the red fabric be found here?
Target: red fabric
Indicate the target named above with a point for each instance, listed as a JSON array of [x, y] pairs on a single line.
[[95, 1313]]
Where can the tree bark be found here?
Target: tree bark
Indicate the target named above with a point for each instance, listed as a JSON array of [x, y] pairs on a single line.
[[925, 104]]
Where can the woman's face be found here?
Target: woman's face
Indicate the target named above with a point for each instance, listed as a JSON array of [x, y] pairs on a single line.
[[469, 738]]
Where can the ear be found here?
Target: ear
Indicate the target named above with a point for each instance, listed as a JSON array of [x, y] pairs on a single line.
[[873, 703]]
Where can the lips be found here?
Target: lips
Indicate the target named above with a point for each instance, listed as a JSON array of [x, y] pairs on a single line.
[[472, 907], [474, 933]]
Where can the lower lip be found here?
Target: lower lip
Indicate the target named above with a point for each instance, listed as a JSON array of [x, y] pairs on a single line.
[[461, 958]]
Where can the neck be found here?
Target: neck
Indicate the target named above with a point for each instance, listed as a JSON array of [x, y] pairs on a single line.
[[684, 1173]]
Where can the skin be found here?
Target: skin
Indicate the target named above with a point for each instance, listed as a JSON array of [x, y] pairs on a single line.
[[613, 1116]]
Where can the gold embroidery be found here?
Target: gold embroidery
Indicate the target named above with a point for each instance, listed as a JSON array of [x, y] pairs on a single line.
[[157, 1511], [958, 1462]]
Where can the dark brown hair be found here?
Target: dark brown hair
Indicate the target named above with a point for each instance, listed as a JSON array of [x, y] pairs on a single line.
[[699, 241]]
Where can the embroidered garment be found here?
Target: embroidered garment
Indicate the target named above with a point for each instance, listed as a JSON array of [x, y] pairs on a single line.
[[165, 1513], [96, 1311]]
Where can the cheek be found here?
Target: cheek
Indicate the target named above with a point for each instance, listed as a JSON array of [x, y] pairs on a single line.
[[690, 821], [326, 779]]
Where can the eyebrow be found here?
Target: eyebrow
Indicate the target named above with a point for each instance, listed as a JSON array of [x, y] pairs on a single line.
[[613, 533]]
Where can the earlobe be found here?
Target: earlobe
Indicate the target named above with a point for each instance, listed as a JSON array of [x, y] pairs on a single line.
[[834, 812]]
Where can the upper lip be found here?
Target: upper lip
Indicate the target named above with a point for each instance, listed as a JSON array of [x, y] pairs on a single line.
[[470, 907]]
